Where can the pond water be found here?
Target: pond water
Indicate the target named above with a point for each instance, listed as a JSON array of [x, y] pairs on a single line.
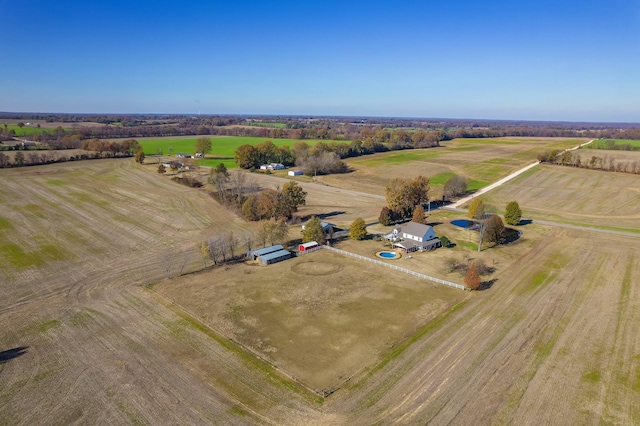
[[463, 223]]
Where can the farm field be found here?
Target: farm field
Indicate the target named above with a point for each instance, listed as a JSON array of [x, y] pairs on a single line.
[[481, 160], [221, 146], [575, 196], [556, 339], [633, 142], [316, 316], [618, 155]]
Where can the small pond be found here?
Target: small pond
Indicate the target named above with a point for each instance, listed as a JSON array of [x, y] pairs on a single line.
[[464, 223], [388, 255]]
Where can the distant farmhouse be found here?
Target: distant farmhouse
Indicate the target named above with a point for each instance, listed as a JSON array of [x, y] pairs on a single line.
[[413, 237], [295, 173], [272, 166]]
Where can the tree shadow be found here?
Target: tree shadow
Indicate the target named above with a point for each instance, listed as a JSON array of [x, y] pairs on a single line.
[[434, 223], [524, 222], [486, 285], [9, 354]]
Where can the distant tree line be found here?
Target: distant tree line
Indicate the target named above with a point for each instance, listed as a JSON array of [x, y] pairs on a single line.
[[98, 149]]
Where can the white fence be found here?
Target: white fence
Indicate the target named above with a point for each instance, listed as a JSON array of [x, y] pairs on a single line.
[[397, 268]]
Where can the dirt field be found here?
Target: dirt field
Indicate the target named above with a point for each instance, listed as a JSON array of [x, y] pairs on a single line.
[[481, 160], [576, 196], [555, 340], [322, 317]]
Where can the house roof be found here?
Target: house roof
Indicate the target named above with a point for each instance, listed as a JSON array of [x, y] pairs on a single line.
[[325, 225], [266, 250], [415, 228], [275, 255]]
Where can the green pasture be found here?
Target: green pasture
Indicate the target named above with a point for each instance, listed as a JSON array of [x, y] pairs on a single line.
[[601, 143], [220, 146], [486, 171], [396, 157], [441, 178], [27, 130], [270, 125]]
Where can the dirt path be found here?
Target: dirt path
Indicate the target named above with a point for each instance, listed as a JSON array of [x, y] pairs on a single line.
[[502, 181]]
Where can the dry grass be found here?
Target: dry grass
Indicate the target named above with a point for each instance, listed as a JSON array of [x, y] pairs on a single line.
[[554, 340], [576, 196], [481, 160], [321, 317]]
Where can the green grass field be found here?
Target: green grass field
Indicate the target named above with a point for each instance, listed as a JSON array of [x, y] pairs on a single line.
[[271, 125], [27, 130], [220, 146], [600, 144], [396, 157]]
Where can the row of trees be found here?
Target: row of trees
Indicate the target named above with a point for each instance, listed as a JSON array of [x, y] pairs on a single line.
[[605, 162], [252, 156], [228, 246]]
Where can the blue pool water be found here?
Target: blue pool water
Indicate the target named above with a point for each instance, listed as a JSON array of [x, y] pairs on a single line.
[[463, 223], [388, 254]]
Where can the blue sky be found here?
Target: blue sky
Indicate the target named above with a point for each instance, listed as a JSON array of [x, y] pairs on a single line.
[[536, 60]]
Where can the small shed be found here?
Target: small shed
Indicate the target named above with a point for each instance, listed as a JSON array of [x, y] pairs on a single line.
[[254, 254], [295, 173], [274, 257], [306, 246]]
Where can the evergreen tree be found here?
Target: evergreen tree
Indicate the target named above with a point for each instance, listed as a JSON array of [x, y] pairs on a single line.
[[358, 229], [313, 231], [513, 213], [476, 209]]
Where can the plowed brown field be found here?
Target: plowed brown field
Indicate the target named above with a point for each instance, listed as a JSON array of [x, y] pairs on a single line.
[[555, 341]]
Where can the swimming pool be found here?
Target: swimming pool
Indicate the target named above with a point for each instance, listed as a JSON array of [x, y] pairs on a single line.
[[388, 255]]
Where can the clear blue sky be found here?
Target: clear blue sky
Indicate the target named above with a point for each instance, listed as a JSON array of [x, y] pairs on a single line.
[[537, 60]]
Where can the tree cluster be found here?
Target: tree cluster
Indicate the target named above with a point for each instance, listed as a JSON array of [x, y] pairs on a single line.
[[279, 203], [403, 197], [252, 156]]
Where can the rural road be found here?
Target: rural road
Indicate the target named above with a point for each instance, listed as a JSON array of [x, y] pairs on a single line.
[[280, 180], [505, 179]]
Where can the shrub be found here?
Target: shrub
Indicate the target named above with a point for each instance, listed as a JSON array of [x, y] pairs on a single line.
[[445, 242], [513, 213]]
